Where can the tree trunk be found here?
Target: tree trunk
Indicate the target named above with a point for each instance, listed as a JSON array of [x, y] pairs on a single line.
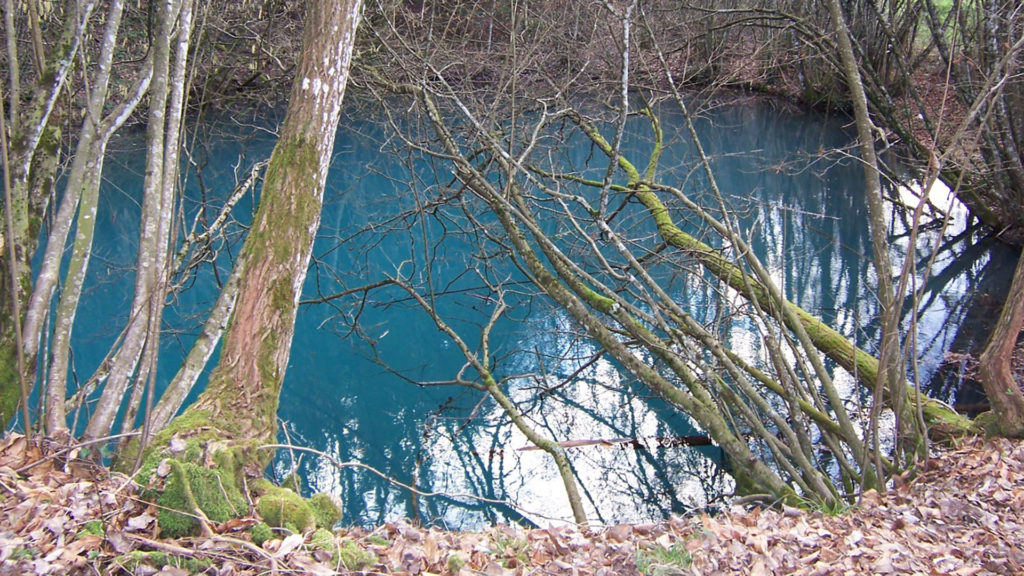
[[198, 356], [241, 399], [996, 365], [34, 145], [82, 190], [910, 438], [823, 337], [163, 144]]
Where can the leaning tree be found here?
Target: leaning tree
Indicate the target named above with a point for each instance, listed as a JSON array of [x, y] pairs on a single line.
[[608, 248]]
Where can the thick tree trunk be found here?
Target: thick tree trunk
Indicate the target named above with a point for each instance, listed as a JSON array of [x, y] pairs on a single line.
[[235, 416], [996, 365], [241, 398], [199, 355]]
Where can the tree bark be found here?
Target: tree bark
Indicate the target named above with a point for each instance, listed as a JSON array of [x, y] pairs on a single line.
[[154, 196], [242, 395], [890, 381], [161, 270], [34, 145], [82, 191], [996, 362]]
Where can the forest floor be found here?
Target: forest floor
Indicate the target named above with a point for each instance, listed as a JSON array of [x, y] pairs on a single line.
[[962, 514]]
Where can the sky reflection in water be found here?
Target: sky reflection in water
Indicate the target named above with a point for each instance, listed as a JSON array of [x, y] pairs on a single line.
[[803, 211]]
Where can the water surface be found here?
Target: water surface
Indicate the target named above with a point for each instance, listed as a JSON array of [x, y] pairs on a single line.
[[361, 384]]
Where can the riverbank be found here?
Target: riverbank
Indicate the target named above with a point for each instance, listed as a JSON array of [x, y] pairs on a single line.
[[963, 514]]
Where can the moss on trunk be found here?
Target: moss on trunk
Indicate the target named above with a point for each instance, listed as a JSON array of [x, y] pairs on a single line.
[[222, 432], [9, 393], [827, 340], [191, 490]]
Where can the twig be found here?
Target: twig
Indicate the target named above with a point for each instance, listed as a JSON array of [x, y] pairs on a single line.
[[67, 449], [352, 464]]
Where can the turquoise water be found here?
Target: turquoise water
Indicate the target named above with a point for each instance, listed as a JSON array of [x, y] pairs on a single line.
[[365, 378]]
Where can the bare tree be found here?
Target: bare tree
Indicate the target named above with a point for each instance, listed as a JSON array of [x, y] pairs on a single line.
[[605, 269], [992, 33], [160, 190], [891, 377], [31, 160]]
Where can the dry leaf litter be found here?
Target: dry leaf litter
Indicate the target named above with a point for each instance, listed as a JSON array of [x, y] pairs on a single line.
[[961, 515]]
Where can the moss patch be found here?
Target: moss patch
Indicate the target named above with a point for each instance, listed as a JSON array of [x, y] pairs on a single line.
[[344, 553], [326, 510], [282, 508], [944, 424], [10, 394], [261, 486], [190, 486], [353, 557], [986, 422], [91, 528], [158, 560], [205, 473], [260, 533], [324, 540], [455, 563], [293, 482]]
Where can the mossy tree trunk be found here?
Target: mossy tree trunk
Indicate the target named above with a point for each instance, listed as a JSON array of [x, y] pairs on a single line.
[[31, 161], [996, 362], [240, 401], [823, 337], [556, 277]]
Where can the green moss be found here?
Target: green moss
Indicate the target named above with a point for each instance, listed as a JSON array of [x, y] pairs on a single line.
[[260, 533], [324, 540], [986, 422], [326, 510], [24, 554], [944, 424], [191, 486], [193, 425], [511, 551], [261, 486], [354, 557], [455, 563], [91, 528], [293, 482], [227, 462], [658, 561], [137, 558], [9, 392], [206, 474], [281, 507]]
